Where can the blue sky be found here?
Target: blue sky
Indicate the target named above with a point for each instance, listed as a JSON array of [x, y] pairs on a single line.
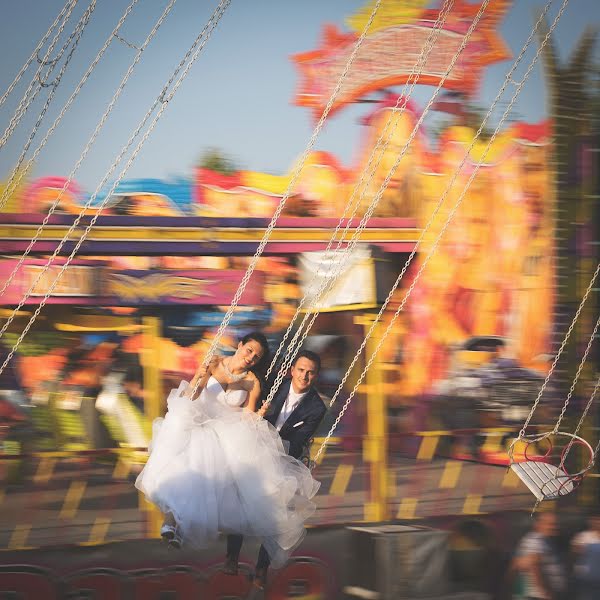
[[238, 95]]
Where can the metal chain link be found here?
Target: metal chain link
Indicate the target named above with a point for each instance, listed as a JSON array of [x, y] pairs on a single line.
[[380, 146], [190, 57], [18, 173], [90, 142], [589, 403], [113, 167], [85, 20], [449, 218], [558, 355], [125, 42], [32, 90], [328, 284], [74, 35], [34, 54], [278, 211], [592, 397], [42, 80], [53, 61], [42, 83], [576, 378]]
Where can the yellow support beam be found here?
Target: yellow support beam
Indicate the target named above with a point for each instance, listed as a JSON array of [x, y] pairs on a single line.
[[450, 475], [472, 504], [341, 479], [107, 233], [99, 531], [19, 536], [375, 444], [150, 359], [152, 400], [45, 470], [72, 499], [427, 448], [122, 468], [408, 508]]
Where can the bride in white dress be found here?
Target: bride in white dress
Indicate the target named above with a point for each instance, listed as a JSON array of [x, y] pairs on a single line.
[[215, 465]]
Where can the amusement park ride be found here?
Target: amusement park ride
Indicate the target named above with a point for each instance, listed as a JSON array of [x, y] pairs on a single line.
[[487, 248]]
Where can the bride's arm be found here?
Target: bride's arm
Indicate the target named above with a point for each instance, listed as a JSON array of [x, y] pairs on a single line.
[[203, 373], [254, 393]]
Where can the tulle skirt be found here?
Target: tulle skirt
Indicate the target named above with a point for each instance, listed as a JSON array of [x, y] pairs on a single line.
[[224, 469]]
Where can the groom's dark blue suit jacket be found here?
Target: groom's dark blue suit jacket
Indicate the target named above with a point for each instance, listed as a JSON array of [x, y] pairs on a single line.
[[302, 422]]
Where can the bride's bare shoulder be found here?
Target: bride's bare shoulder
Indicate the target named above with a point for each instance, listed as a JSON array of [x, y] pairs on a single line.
[[252, 380], [214, 363]]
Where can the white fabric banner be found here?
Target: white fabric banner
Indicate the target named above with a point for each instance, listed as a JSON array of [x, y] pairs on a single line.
[[355, 284]]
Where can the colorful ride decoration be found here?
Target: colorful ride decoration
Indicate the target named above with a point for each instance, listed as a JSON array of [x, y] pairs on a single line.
[[43, 192], [320, 191], [137, 197], [388, 52], [491, 273]]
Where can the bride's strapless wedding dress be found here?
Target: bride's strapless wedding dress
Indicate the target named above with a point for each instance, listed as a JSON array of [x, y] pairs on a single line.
[[220, 468]]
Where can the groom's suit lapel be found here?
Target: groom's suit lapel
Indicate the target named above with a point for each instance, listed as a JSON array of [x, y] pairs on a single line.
[[302, 410], [302, 407], [279, 399]]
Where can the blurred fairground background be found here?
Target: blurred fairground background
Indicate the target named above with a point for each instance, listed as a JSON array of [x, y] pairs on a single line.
[[416, 499]]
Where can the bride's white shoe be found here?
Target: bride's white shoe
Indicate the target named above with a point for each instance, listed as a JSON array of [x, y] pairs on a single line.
[[167, 532]]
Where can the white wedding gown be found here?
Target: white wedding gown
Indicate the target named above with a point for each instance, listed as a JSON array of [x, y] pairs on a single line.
[[220, 468]]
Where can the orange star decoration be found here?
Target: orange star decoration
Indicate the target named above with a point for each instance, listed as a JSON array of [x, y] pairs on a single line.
[[390, 51]]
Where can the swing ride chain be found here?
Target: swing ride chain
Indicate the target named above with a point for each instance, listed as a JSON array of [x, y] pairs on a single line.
[[558, 355], [90, 142], [382, 188], [589, 402], [193, 52], [449, 218], [577, 375], [280, 207], [54, 85], [380, 146], [32, 91], [35, 54]]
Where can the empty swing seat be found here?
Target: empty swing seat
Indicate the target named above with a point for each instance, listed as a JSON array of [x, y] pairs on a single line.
[[544, 480]]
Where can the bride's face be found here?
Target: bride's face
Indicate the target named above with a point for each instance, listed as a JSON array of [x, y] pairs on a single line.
[[248, 355]]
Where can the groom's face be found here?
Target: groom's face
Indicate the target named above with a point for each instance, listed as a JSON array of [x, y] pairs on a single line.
[[304, 374]]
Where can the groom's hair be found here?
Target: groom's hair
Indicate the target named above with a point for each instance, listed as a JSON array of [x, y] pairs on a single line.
[[310, 355]]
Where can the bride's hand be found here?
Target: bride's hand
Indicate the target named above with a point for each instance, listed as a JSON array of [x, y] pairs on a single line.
[[204, 369], [201, 371], [262, 410]]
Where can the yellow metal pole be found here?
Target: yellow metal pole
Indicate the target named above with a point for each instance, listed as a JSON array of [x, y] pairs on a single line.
[[151, 363], [375, 444], [150, 360]]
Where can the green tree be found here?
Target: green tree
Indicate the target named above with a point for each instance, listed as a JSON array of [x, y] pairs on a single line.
[[216, 160]]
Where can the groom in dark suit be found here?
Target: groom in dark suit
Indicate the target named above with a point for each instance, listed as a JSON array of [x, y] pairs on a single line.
[[295, 411]]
